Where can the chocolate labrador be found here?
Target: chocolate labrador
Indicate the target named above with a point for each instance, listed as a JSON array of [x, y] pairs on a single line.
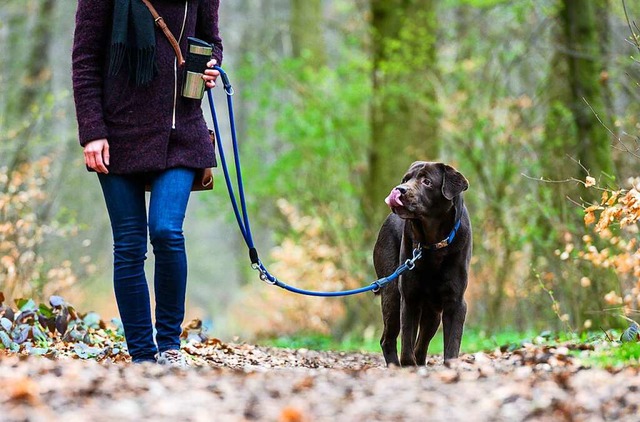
[[428, 213]]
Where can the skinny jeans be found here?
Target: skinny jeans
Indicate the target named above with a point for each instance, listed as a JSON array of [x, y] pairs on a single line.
[[125, 199]]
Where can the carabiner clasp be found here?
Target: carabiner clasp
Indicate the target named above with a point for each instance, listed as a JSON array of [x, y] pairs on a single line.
[[263, 273], [410, 264], [417, 254]]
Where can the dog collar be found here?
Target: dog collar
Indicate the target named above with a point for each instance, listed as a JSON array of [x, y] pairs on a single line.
[[446, 242]]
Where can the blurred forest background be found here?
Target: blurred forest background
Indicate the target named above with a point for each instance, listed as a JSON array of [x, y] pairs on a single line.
[[533, 102]]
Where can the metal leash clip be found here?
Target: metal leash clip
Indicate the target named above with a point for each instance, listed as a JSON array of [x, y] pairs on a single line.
[[263, 273], [417, 254]]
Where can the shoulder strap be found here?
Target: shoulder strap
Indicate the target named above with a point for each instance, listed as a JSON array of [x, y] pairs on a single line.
[[165, 29]]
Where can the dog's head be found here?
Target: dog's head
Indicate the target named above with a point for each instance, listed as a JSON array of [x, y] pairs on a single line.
[[427, 190]]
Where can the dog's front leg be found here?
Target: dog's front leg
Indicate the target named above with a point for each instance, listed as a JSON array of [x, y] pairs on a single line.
[[429, 323], [453, 317], [391, 328], [409, 318]]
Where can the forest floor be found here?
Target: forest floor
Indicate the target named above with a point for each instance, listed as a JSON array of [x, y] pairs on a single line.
[[242, 382]]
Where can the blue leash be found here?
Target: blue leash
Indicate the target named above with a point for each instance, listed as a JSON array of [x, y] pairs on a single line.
[[243, 219]]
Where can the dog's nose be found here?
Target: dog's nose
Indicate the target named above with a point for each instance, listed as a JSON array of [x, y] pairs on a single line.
[[401, 189]]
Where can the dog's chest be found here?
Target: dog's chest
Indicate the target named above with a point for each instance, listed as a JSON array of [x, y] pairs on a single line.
[[432, 261], [430, 274]]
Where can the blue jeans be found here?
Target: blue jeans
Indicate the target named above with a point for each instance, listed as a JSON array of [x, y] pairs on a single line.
[[125, 199]]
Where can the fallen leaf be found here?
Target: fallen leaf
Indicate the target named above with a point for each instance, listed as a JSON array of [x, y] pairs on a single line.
[[24, 390], [291, 414]]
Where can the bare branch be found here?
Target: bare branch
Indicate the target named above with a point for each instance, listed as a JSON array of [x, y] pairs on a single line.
[[628, 319], [625, 147], [574, 202], [542, 179], [607, 334], [634, 36], [586, 170]]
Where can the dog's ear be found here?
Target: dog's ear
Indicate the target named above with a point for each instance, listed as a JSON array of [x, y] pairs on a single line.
[[453, 182]]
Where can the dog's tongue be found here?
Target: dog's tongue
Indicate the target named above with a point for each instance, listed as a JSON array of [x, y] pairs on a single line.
[[393, 200]]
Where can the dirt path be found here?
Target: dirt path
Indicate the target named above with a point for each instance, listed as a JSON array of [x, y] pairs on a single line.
[[245, 382]]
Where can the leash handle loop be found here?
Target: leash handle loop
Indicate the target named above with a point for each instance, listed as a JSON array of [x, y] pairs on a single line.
[[225, 81]]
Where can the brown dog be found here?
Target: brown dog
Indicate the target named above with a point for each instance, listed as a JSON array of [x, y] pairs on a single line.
[[427, 208]]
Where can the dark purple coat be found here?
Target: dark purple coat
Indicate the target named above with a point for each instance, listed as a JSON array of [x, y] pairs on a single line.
[[148, 128]]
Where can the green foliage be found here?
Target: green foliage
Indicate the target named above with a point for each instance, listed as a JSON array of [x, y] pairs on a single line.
[[473, 340], [406, 66], [490, 131], [315, 341], [57, 329], [307, 143], [482, 4], [317, 118], [596, 349], [615, 356]]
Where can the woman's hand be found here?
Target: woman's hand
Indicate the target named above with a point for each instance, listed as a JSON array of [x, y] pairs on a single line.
[[210, 75], [96, 155]]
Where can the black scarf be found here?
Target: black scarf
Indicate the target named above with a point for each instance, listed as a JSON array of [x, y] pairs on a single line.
[[133, 38]]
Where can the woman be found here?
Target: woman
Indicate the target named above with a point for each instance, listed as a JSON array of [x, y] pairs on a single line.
[[137, 130]]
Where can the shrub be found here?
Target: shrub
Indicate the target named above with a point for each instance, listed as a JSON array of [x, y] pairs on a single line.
[[25, 226], [614, 221]]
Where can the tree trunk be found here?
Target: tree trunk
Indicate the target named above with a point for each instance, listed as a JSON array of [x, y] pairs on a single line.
[[306, 31], [585, 67], [404, 116]]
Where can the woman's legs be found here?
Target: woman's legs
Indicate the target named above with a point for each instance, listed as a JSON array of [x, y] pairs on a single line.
[[169, 197], [124, 196]]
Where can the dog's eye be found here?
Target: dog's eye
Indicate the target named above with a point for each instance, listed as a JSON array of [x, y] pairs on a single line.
[[426, 182]]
